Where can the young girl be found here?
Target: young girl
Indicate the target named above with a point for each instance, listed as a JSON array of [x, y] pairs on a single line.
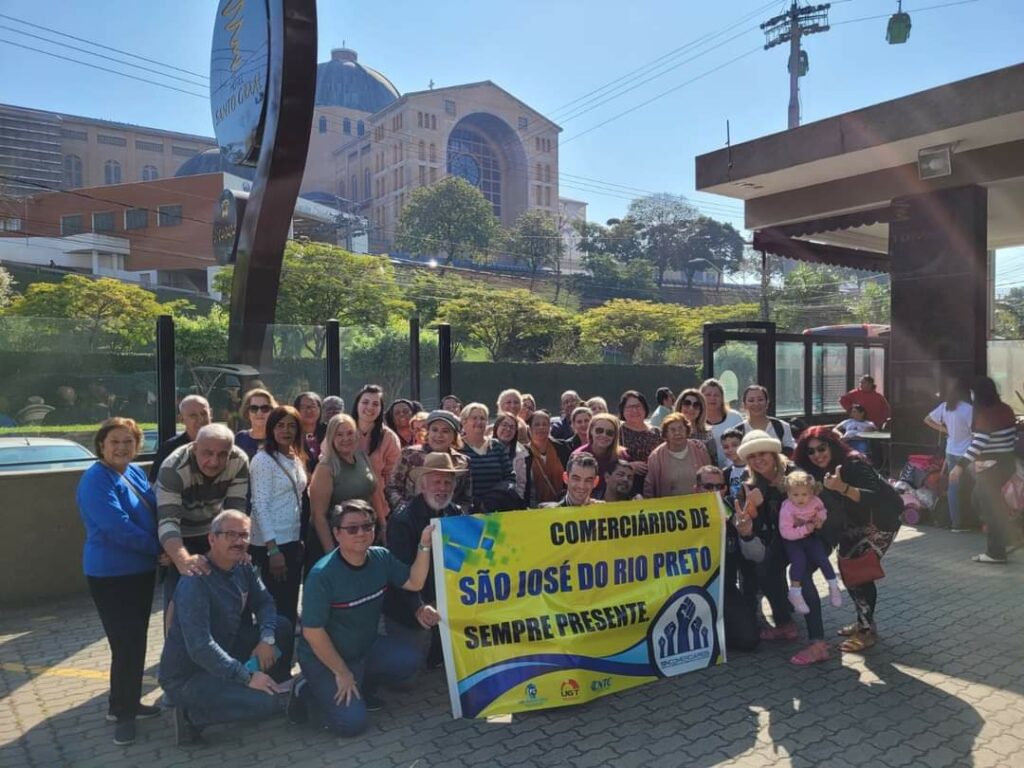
[[849, 429], [801, 515]]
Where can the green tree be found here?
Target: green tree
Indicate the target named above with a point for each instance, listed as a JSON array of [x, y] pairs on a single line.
[[608, 278], [661, 221], [321, 281], [810, 296], [872, 305], [509, 325], [451, 217], [112, 314], [535, 242], [1009, 315], [637, 330], [428, 291], [705, 242], [202, 339]]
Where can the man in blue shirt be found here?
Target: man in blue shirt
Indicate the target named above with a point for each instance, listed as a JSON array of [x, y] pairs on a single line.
[[227, 650]]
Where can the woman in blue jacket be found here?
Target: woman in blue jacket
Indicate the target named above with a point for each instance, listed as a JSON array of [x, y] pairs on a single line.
[[118, 509]]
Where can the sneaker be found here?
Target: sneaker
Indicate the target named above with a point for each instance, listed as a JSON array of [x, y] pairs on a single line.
[[797, 601], [986, 558], [144, 712], [296, 710], [372, 701], [124, 732], [184, 731], [835, 597]]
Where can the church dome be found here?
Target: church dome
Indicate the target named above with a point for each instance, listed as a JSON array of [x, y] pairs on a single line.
[[212, 161], [344, 82]]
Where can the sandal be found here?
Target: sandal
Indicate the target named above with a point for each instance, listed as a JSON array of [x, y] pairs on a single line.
[[858, 643], [853, 629], [812, 654], [785, 632]]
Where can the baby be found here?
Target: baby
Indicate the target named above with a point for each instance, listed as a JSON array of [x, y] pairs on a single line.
[[801, 515]]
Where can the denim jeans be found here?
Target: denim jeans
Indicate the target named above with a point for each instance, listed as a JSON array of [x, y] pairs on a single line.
[[390, 661], [953, 493], [209, 700]]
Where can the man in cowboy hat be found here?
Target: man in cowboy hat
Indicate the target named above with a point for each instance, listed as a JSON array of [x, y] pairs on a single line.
[[412, 616]]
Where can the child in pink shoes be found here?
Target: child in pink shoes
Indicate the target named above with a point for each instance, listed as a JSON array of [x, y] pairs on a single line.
[[802, 514]]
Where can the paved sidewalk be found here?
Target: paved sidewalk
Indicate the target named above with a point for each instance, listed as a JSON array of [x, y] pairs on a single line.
[[944, 687]]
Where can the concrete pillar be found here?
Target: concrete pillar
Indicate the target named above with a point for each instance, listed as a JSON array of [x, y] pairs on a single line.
[[937, 248]]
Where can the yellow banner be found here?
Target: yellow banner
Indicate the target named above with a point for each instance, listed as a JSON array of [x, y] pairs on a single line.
[[550, 607]]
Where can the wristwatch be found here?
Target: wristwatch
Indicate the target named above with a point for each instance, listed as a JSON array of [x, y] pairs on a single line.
[[423, 547], [269, 640]]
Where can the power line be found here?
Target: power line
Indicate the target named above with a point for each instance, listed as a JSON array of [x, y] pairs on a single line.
[[104, 47]]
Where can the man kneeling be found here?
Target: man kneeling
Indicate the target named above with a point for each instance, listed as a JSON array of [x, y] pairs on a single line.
[[215, 641], [342, 656]]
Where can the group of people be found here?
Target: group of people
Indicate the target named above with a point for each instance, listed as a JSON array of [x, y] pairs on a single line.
[[342, 505]]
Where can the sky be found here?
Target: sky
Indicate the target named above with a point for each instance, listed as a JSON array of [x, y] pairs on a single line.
[[639, 137]]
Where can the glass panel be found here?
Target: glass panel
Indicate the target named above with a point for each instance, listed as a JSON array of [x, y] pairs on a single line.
[[381, 356], [828, 377], [60, 378], [789, 378], [735, 365], [870, 360], [296, 364], [1006, 367]]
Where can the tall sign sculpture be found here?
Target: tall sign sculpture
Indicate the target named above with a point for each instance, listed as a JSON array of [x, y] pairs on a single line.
[[262, 91]]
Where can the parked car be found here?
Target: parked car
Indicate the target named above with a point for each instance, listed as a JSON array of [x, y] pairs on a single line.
[[34, 454]]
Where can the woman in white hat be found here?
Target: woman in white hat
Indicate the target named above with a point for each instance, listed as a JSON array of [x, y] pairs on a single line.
[[443, 429], [763, 493]]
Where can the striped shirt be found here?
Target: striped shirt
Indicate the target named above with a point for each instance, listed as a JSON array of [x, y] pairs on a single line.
[[187, 500], [490, 468], [995, 433]]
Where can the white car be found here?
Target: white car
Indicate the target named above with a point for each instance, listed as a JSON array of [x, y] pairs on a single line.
[[34, 454]]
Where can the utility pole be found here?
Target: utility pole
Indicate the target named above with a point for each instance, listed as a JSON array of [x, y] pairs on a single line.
[[790, 27]]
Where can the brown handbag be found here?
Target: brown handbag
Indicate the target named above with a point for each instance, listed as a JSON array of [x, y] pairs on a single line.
[[861, 569]]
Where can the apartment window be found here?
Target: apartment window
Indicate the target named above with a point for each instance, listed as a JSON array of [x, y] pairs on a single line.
[[538, 195], [433, 153], [71, 225], [396, 153], [523, 123], [449, 107], [72, 171], [423, 150], [346, 127], [433, 122], [182, 151], [360, 128], [322, 124], [168, 215], [67, 133], [540, 175], [10, 224], [423, 175], [547, 174], [378, 133], [366, 184], [149, 146], [149, 173], [419, 119], [103, 222], [114, 141], [547, 196], [433, 175], [136, 218], [111, 172]]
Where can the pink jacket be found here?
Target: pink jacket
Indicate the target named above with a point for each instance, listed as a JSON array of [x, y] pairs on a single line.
[[798, 522]]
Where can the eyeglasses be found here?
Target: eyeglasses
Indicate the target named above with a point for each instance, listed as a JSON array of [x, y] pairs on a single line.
[[712, 486], [819, 448], [603, 431], [691, 403], [260, 409], [352, 530], [233, 535]]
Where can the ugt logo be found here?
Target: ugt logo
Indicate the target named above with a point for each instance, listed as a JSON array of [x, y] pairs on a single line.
[[531, 692], [570, 689]]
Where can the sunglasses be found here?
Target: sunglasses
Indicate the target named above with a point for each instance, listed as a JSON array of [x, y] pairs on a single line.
[[691, 403], [260, 409], [712, 486], [819, 448], [603, 431], [352, 530]]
